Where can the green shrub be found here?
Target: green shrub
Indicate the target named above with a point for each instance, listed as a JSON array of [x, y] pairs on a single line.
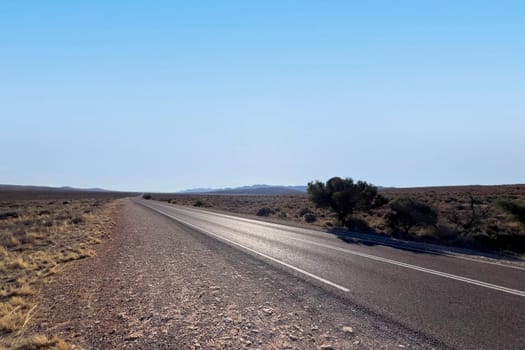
[[407, 213], [305, 211], [198, 203], [146, 196], [344, 196], [265, 211], [310, 217], [515, 208]]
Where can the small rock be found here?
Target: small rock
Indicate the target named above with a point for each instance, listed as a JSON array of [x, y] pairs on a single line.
[[347, 329], [292, 337], [327, 347], [267, 311], [133, 336]]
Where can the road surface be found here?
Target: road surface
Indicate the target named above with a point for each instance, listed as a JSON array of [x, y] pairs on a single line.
[[463, 303]]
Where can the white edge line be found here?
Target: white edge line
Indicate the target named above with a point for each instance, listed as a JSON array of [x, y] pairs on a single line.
[[369, 256], [422, 269], [292, 229], [256, 252]]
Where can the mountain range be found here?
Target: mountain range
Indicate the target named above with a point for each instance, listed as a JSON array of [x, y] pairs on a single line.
[[259, 189]]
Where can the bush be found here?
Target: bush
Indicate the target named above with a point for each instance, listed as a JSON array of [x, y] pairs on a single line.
[[344, 196], [469, 220], [8, 215], [265, 211], [305, 211], [146, 196], [198, 204], [515, 208], [406, 213], [310, 217]]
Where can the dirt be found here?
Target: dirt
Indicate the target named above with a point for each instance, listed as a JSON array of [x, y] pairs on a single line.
[[156, 285]]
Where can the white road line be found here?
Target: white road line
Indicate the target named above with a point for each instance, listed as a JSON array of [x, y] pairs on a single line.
[[368, 256], [388, 244], [256, 252], [419, 268]]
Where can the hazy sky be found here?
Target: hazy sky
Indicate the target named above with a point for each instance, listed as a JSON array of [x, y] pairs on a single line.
[[168, 95]]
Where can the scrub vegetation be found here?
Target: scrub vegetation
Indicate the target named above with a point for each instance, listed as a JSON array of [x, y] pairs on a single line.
[[489, 218], [37, 238]]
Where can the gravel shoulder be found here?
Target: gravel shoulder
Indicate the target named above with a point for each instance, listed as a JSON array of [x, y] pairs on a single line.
[[156, 284]]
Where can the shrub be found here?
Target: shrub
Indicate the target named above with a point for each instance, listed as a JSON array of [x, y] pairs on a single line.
[[515, 208], [8, 215], [310, 217], [77, 220], [470, 220], [265, 211], [146, 196], [406, 213], [305, 211], [198, 204], [344, 196]]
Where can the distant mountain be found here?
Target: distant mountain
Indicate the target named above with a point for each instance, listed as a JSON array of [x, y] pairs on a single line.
[[258, 189], [197, 190], [48, 188]]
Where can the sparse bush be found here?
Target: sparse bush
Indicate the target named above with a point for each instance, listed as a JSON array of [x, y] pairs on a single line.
[[77, 220], [305, 211], [515, 208], [309, 217], [406, 213], [198, 203], [8, 215], [344, 196], [471, 221], [265, 211], [146, 196]]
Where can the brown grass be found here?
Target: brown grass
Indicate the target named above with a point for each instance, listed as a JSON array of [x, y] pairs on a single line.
[[35, 244]]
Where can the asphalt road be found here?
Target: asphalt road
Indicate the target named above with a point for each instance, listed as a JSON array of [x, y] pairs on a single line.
[[464, 303]]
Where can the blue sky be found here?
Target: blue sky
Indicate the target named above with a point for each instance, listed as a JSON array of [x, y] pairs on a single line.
[[168, 95]]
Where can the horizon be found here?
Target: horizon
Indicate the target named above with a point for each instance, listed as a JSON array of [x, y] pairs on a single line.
[[236, 187], [173, 96]]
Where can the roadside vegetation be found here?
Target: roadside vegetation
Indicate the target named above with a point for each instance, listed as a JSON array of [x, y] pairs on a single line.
[[489, 218], [37, 238]]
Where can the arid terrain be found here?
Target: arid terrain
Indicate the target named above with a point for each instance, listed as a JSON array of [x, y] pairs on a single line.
[[92, 271], [40, 233], [456, 205]]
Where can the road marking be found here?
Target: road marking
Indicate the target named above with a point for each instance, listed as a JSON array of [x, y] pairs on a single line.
[[295, 230], [419, 268], [256, 252], [365, 255]]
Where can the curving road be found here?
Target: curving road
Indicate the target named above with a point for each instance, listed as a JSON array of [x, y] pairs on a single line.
[[464, 303]]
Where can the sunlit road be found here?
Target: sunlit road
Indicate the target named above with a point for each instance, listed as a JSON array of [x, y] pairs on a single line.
[[465, 304]]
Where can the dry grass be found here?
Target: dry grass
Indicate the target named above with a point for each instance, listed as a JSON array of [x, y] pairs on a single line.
[[36, 239], [496, 230], [43, 342]]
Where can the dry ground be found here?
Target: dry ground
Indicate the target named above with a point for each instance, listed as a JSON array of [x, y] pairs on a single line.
[[157, 284], [37, 238], [497, 230]]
